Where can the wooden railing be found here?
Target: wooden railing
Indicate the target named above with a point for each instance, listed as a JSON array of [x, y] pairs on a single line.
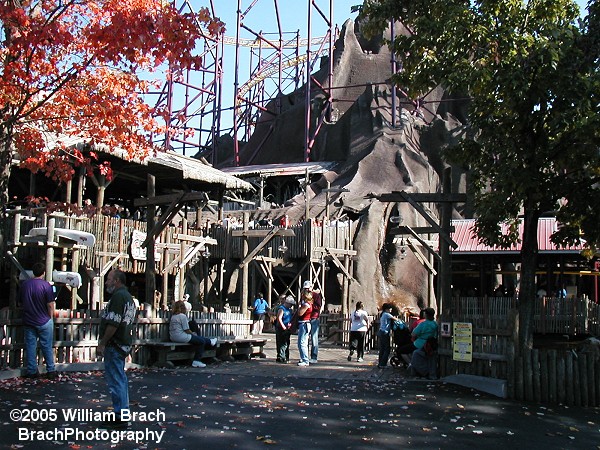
[[76, 334], [335, 329], [113, 238]]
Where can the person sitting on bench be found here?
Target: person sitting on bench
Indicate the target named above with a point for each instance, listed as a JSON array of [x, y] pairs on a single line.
[[179, 331]]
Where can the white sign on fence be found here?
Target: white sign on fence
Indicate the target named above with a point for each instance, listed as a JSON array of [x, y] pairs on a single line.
[[462, 342], [137, 251]]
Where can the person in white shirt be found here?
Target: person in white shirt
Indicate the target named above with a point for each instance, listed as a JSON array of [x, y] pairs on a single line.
[[179, 331], [358, 329]]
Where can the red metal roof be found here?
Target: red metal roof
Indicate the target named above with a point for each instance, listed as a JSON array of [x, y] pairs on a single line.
[[463, 235]]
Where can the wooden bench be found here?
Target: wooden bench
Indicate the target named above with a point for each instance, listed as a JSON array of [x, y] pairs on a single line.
[[228, 349]]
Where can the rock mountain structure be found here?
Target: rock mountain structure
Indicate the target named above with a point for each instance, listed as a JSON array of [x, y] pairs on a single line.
[[372, 157]]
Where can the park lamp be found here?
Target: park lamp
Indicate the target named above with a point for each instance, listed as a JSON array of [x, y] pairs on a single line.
[[402, 249], [283, 248]]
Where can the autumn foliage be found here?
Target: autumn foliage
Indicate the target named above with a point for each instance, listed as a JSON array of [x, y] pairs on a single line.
[[77, 71]]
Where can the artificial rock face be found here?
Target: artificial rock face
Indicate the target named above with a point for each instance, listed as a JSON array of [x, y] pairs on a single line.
[[373, 157]]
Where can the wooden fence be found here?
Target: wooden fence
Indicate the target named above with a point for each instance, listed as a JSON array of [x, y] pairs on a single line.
[[566, 377], [572, 315], [76, 334], [568, 374]]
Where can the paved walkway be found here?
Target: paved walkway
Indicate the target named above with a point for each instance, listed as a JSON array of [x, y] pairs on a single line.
[[257, 403], [332, 364]]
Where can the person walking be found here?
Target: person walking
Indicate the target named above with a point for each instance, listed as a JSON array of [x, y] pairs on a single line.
[[258, 312], [384, 333], [115, 339], [283, 323], [358, 329], [38, 303], [304, 311]]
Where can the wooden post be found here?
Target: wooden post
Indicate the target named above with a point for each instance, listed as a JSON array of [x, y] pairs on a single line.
[[430, 282], [221, 281], [95, 297], [205, 270], [150, 276], [445, 266], [12, 296], [244, 287], [68, 191], [327, 200], [32, 184], [345, 294], [182, 247], [80, 187], [104, 259], [75, 268], [252, 277], [307, 203], [270, 277], [101, 189], [323, 273], [50, 248], [164, 294]]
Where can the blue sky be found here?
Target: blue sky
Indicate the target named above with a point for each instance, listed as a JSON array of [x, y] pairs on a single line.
[[293, 14]]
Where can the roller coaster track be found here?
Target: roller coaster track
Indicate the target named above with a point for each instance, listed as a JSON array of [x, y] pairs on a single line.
[[264, 74], [257, 43], [259, 77]]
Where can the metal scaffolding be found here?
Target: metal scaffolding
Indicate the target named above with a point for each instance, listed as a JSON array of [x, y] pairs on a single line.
[[193, 106]]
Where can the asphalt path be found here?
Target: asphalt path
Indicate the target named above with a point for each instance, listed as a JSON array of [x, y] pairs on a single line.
[[258, 404]]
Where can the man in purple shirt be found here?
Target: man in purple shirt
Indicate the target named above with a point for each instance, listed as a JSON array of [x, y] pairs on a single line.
[[37, 301]]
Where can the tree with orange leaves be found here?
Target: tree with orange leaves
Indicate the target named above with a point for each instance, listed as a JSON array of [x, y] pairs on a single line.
[[72, 68]]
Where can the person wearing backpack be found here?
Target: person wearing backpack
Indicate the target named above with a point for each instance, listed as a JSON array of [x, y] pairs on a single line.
[[283, 324]]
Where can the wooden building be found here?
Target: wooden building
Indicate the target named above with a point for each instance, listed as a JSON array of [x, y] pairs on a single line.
[[161, 221], [479, 270]]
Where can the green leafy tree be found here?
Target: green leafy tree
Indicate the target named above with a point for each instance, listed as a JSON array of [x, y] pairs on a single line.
[[530, 71]]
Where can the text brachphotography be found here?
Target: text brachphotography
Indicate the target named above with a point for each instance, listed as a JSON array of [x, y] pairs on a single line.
[[76, 434]]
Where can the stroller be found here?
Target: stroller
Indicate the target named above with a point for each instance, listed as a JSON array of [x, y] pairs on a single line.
[[401, 336]]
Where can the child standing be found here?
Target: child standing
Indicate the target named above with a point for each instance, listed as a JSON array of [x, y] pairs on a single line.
[[385, 327]]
